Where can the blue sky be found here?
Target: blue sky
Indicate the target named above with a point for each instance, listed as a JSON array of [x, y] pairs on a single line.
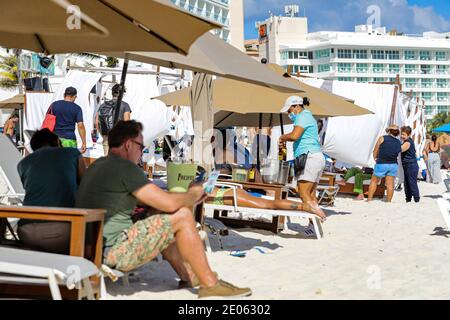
[[408, 16]]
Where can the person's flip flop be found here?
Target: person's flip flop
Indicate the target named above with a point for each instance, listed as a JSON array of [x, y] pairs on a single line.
[[239, 254]]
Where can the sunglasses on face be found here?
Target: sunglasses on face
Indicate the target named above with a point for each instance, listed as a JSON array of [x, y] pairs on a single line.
[[139, 144]]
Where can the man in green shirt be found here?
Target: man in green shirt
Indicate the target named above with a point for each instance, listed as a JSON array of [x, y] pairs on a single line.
[[116, 184]]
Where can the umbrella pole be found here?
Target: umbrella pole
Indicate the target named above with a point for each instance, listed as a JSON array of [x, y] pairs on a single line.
[[122, 89], [282, 124], [258, 161]]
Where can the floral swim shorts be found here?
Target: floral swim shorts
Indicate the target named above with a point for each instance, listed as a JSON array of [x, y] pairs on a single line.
[[141, 243]]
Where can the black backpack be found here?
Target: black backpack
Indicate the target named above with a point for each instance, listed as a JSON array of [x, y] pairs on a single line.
[[106, 116]]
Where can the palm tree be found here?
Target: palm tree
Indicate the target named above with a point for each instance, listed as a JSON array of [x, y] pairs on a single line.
[[111, 62], [8, 73], [439, 120]]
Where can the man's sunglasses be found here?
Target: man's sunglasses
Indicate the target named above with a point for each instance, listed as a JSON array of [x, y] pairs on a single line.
[[140, 145]]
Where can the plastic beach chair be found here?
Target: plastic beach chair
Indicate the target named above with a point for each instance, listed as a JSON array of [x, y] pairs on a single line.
[[25, 267], [210, 208]]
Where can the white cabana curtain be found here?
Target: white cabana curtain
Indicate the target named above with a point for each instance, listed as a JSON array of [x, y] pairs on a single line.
[[152, 113], [352, 139], [37, 104]]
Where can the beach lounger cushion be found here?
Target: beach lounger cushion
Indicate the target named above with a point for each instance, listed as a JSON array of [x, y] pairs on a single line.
[[32, 267]]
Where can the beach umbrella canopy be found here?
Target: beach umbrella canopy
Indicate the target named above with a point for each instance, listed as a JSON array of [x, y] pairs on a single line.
[[50, 26], [211, 55], [226, 119], [15, 102], [443, 129], [240, 97]]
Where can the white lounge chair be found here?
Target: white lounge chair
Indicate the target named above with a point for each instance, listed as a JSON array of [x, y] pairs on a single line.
[[11, 189], [210, 208], [38, 268], [444, 206]]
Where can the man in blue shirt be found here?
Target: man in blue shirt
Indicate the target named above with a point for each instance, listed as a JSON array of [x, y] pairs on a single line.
[[68, 114]]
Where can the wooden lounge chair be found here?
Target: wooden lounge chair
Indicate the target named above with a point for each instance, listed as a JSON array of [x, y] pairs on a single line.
[[210, 208], [31, 268]]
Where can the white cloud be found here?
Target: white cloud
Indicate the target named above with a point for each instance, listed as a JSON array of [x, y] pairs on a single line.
[[343, 15]]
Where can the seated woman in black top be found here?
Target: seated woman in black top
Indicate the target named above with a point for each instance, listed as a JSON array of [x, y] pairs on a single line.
[[386, 154], [410, 166]]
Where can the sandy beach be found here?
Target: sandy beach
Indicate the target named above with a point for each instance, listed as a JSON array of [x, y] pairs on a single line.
[[369, 251]]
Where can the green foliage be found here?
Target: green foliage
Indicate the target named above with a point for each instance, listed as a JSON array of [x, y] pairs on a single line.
[[438, 121], [111, 62]]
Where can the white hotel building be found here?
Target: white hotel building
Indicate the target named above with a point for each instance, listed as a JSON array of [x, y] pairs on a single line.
[[366, 55], [228, 13]]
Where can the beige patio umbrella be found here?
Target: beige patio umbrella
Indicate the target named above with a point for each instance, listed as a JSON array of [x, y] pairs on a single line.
[[243, 98], [15, 102], [211, 55], [106, 25]]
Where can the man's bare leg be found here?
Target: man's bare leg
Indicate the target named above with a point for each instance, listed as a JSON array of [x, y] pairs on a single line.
[[190, 246], [183, 269]]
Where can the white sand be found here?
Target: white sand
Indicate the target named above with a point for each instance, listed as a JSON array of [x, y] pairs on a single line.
[[369, 251]]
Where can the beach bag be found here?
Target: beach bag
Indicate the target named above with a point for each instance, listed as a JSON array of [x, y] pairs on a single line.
[[300, 164], [49, 120], [106, 117]]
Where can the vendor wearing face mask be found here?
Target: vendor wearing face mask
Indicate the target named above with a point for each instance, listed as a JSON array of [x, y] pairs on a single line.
[[306, 142]]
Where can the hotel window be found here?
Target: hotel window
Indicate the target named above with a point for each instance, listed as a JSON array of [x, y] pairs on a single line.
[[393, 80], [428, 109], [442, 96], [410, 55], [303, 55], [360, 54], [442, 109], [442, 83], [362, 68], [425, 55], [427, 96], [344, 53], [441, 56], [346, 79], [362, 79], [393, 55], [295, 54], [291, 54], [379, 80], [394, 68], [324, 68], [320, 54], [304, 69], [378, 54], [427, 83], [411, 83], [378, 68], [425, 69], [344, 67], [441, 69], [411, 69]]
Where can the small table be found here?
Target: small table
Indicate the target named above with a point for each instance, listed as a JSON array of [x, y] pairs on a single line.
[[329, 177], [277, 223], [78, 218]]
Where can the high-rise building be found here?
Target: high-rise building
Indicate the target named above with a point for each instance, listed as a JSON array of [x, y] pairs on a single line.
[[228, 13], [366, 55]]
